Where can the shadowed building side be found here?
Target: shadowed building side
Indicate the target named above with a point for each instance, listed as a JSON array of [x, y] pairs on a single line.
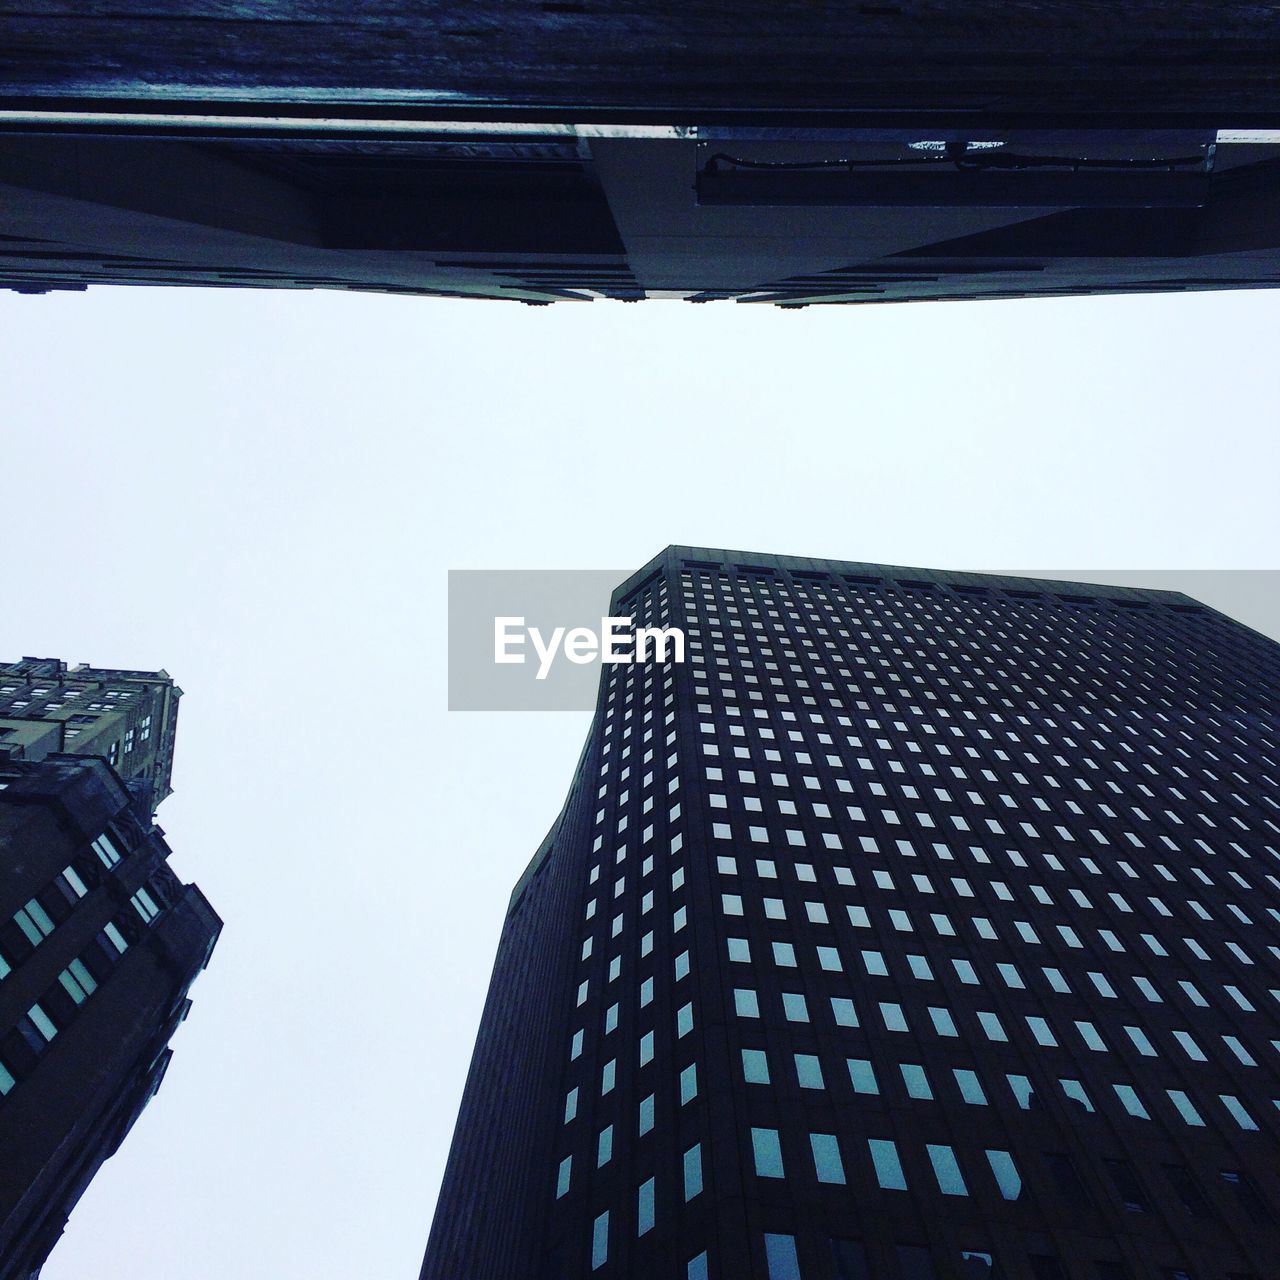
[[99, 944]]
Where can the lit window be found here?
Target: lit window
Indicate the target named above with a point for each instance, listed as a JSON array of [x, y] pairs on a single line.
[[862, 1076], [1186, 1109], [77, 981], [916, 1081], [693, 1171], [600, 1241], [767, 1152], [34, 922], [884, 1155], [1006, 1174], [780, 1255], [644, 1208], [843, 1012], [947, 1170], [826, 1158], [689, 1083]]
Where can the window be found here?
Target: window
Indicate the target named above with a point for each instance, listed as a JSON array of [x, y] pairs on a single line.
[[755, 1066], [1140, 1041], [862, 1076], [562, 1178], [72, 886], [644, 1208], [894, 1018], [970, 1087], [106, 850], [1188, 1192], [1247, 1195], [1186, 1109], [42, 1022], [850, 1260], [1006, 1174], [693, 1171], [947, 1170], [916, 1081], [34, 922], [794, 1007], [689, 1084], [809, 1071], [780, 1255], [1076, 1093], [991, 1025], [826, 1158], [1131, 1102], [746, 1003], [600, 1241], [77, 981], [1238, 1112], [1041, 1032], [767, 1152], [1126, 1183], [842, 1011], [1068, 1180], [884, 1155]]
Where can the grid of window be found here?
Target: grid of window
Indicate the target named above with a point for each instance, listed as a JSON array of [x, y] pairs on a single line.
[[23, 1044], [983, 881], [1027, 838]]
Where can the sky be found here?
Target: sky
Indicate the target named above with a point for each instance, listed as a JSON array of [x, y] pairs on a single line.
[[262, 492]]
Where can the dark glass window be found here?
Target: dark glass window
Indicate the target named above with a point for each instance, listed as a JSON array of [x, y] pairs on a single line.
[[850, 1260], [1126, 1183], [1187, 1191], [1068, 1180], [915, 1263], [1247, 1194]]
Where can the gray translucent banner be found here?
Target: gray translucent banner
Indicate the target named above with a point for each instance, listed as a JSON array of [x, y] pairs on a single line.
[[534, 640], [498, 617]]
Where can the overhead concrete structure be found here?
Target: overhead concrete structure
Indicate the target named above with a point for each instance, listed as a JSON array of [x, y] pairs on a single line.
[[788, 154]]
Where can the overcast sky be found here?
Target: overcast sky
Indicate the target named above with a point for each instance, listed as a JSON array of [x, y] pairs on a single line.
[[262, 492]]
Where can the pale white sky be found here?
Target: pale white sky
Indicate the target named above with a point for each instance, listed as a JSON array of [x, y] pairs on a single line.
[[262, 491]]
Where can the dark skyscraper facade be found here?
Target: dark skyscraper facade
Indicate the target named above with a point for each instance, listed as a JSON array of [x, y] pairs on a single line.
[[782, 154], [922, 926], [99, 940]]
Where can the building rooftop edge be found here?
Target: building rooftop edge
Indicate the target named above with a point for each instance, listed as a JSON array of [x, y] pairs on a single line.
[[720, 557]]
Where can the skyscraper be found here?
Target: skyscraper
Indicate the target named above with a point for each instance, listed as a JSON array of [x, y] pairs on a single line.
[[922, 926], [783, 154], [99, 940], [130, 717]]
